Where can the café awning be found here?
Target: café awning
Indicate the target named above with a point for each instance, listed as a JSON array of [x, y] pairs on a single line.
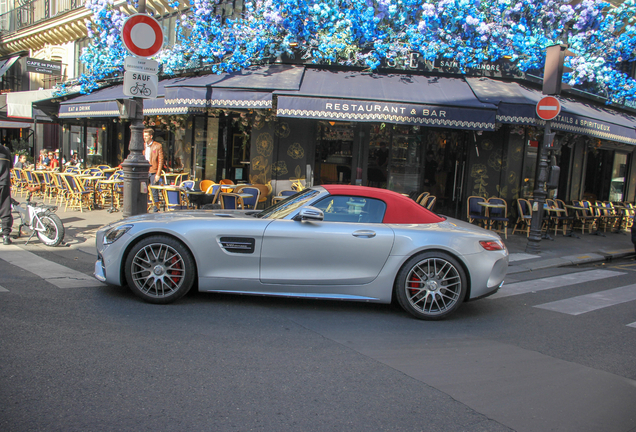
[[393, 98], [516, 104], [249, 88], [103, 103]]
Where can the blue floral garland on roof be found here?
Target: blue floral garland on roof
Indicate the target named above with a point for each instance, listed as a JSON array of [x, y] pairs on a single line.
[[370, 32]]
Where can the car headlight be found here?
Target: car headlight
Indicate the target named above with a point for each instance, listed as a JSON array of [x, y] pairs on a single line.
[[112, 235]]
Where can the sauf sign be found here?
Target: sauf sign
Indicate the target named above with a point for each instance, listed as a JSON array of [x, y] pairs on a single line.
[[142, 85]]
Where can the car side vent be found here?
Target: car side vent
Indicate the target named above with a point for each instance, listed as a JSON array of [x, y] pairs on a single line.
[[238, 244]]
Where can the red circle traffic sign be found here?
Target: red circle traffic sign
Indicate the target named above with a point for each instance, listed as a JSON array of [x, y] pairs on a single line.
[[142, 35], [548, 108]]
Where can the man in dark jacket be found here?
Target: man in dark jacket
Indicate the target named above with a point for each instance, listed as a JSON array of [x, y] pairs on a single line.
[[6, 163], [634, 235]]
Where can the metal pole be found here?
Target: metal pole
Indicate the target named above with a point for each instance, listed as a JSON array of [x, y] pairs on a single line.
[[534, 239], [136, 167]]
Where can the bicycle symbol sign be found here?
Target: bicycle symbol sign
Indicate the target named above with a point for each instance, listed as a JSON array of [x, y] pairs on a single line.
[[140, 85]]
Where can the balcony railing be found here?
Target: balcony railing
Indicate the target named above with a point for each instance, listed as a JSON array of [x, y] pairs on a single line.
[[33, 12]]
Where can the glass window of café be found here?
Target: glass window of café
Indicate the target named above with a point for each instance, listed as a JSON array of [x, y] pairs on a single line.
[[88, 144], [334, 152]]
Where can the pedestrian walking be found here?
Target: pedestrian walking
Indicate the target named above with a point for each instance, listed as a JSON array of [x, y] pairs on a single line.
[[154, 155], [6, 163]]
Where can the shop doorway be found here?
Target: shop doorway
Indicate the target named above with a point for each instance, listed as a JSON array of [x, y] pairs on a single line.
[[605, 175]]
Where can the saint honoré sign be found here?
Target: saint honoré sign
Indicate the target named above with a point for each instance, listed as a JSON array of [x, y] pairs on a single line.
[[44, 66]]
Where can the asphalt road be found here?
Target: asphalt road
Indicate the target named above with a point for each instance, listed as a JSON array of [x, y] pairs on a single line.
[[97, 358]]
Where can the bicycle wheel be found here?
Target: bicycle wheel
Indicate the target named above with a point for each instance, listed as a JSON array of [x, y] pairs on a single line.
[[51, 233], [134, 90], [146, 91]]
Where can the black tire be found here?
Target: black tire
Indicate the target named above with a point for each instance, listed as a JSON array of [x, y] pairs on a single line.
[[431, 285], [160, 269], [54, 230]]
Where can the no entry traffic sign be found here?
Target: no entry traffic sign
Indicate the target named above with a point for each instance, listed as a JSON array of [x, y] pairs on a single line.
[[142, 35], [548, 108]]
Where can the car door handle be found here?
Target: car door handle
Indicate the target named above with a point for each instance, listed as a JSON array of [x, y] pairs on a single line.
[[364, 233]]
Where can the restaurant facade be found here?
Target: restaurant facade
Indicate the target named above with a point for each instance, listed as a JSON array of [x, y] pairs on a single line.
[[453, 136]]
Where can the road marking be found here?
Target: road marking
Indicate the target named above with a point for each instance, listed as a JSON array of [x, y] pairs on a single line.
[[591, 302], [3, 289], [54, 273], [632, 325], [553, 282]]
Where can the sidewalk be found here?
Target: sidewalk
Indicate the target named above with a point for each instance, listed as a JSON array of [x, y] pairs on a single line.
[[562, 251]]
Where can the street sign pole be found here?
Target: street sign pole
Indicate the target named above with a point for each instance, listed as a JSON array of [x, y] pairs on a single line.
[[534, 239], [136, 167]]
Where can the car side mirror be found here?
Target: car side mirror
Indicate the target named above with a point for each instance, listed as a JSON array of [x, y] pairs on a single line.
[[309, 213]]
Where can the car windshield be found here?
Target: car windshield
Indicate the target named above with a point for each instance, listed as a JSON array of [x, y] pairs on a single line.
[[288, 205]]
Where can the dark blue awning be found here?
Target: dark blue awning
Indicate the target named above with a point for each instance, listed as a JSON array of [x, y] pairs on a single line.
[[395, 98], [249, 88], [103, 103], [517, 105]]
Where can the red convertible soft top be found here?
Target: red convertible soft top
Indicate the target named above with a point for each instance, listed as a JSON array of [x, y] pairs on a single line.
[[399, 208]]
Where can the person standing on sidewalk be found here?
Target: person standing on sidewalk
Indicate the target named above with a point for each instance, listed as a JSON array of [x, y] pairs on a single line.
[[6, 163], [154, 155]]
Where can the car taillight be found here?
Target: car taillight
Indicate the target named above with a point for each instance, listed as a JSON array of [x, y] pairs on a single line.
[[492, 245]]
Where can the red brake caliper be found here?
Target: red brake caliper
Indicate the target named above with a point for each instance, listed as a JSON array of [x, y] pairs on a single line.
[[176, 269], [414, 282]]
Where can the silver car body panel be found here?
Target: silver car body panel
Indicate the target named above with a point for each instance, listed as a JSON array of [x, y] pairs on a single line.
[[236, 252]]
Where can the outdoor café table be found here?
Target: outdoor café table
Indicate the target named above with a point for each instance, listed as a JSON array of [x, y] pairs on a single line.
[[87, 178], [198, 198], [488, 207], [112, 184]]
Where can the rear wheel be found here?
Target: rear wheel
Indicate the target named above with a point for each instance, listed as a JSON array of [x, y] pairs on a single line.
[[431, 285], [160, 269], [51, 232]]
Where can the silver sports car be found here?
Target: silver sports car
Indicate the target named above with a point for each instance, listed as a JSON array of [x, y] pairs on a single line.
[[326, 242]]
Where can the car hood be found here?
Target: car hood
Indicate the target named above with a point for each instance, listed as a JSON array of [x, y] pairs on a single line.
[[180, 215]]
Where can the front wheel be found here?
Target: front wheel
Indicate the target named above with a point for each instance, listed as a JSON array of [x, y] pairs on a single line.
[[160, 269], [431, 285], [50, 230]]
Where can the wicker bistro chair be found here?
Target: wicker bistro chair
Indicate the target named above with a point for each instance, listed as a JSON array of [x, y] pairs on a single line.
[[251, 203], [77, 197], [429, 202], [231, 201], [18, 181], [584, 217], [175, 199], [499, 216], [564, 218], [204, 185], [421, 198], [608, 217], [476, 213], [525, 215]]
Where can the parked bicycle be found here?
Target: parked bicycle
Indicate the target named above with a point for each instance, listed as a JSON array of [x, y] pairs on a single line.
[[139, 89], [40, 219]]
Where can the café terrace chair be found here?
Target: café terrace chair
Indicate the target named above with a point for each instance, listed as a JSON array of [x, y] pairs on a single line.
[[564, 217], [226, 182], [524, 218], [77, 197], [429, 202], [265, 191], [476, 213], [251, 202], [231, 201], [584, 216], [608, 217], [205, 185], [175, 198], [499, 216], [421, 197], [18, 181]]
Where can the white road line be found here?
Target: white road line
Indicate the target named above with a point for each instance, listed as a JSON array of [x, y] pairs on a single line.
[[591, 302], [553, 282], [54, 273], [3, 289], [632, 325]]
